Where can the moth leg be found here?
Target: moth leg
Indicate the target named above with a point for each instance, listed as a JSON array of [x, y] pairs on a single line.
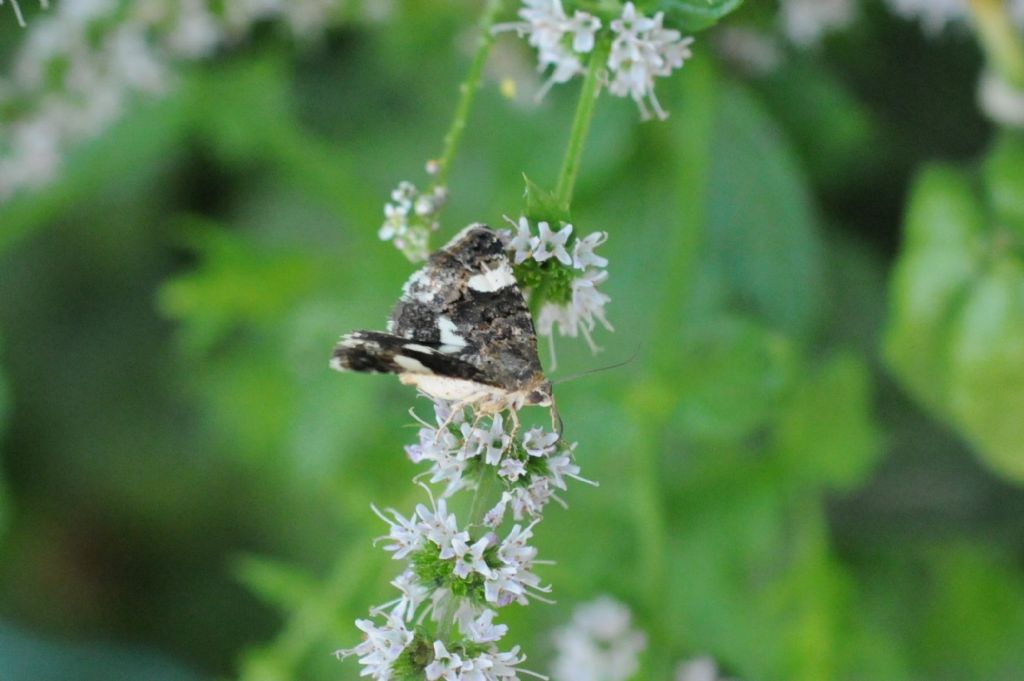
[[556, 419], [514, 413], [443, 427], [458, 408]]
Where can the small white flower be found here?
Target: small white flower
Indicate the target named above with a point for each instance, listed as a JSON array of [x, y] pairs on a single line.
[[583, 255], [538, 443], [530, 501], [405, 536], [522, 243], [413, 595], [514, 550], [642, 50], [495, 441], [512, 469], [583, 27], [483, 630], [561, 467], [552, 244], [445, 665], [436, 523], [588, 303], [470, 559], [503, 665], [380, 647], [496, 515], [453, 545]]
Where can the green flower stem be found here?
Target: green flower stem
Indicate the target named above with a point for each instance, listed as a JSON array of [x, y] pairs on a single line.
[[477, 510], [581, 123], [468, 90], [999, 38]]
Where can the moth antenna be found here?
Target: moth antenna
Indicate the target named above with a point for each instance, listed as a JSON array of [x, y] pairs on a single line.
[[588, 372]]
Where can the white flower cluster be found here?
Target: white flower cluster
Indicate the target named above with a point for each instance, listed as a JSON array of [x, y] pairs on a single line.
[[384, 646], [410, 217], [432, 537], [599, 644], [642, 49], [573, 301], [461, 573], [86, 60], [559, 39], [531, 470]]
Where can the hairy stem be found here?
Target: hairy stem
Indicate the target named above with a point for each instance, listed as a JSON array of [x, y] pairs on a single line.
[[468, 90], [581, 124]]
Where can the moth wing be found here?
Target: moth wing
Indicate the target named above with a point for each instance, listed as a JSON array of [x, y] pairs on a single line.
[[375, 352], [466, 303]]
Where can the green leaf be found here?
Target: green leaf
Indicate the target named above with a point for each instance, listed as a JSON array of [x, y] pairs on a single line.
[[943, 228], [956, 327], [542, 205], [696, 15], [736, 374], [285, 586], [236, 281], [987, 368], [827, 431], [1004, 180], [761, 236]]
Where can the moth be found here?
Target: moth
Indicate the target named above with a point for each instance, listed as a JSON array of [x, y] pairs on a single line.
[[461, 331]]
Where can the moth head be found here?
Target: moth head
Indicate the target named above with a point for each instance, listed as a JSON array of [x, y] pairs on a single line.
[[539, 394]]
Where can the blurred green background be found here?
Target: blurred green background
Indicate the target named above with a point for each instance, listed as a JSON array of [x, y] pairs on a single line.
[[804, 472]]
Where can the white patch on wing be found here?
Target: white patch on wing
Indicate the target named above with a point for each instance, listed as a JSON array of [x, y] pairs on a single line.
[[419, 348], [336, 364], [447, 388], [447, 329], [452, 349], [418, 281], [490, 281], [410, 364]]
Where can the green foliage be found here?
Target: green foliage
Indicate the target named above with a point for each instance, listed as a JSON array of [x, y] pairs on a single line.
[[5, 405], [1004, 182], [542, 205], [733, 374], [760, 233], [217, 243], [238, 283], [26, 658], [696, 15], [956, 329], [827, 430]]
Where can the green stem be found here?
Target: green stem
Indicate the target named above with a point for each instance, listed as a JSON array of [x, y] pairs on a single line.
[[1002, 43], [468, 90], [581, 124]]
